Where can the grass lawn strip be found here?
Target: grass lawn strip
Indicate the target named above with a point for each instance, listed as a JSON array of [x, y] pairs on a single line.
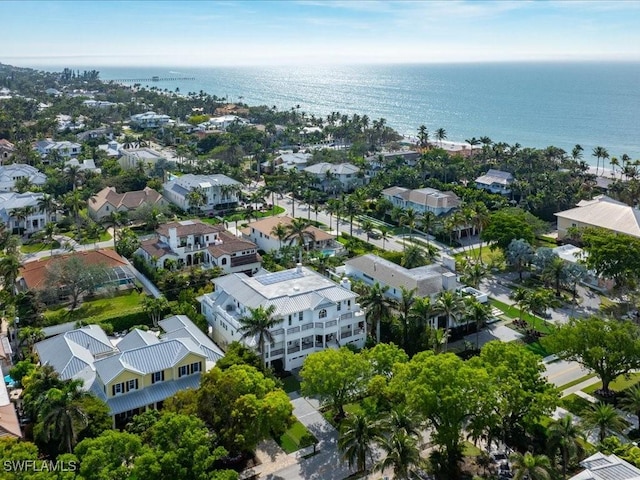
[[296, 437], [574, 404], [619, 384], [576, 381], [470, 450], [38, 247]]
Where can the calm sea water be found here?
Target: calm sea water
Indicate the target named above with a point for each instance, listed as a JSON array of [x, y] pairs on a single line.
[[534, 104]]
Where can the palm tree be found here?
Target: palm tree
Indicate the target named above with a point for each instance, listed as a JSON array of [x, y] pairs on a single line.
[[358, 433], [564, 436], [600, 153], [426, 222], [423, 136], [259, 323], [196, 199], [62, 415], [404, 305], [367, 227], [72, 173], [404, 419], [401, 453], [74, 202], [530, 467], [384, 234], [408, 218], [479, 313], [351, 209], [631, 401], [441, 134], [9, 271], [449, 304], [603, 418], [414, 256], [556, 272], [298, 231], [280, 232], [47, 204], [377, 306], [115, 219]]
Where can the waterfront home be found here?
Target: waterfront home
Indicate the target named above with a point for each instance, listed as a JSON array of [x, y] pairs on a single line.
[[261, 233], [495, 181], [341, 177], [64, 149], [602, 212], [314, 313], [380, 160], [221, 123], [131, 158], [68, 122], [108, 200], [193, 242], [6, 150], [220, 191], [422, 199], [136, 372], [21, 212], [149, 120], [9, 174], [98, 104]]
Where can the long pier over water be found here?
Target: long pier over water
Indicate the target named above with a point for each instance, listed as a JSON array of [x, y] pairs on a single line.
[[152, 79]]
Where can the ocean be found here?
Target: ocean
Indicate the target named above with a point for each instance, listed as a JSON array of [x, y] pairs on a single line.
[[533, 104]]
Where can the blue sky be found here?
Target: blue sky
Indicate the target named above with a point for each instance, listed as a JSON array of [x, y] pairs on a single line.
[[263, 32]]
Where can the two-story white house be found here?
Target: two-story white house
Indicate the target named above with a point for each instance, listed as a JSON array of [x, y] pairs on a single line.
[[149, 120], [64, 149], [6, 150], [219, 190], [21, 213], [130, 158], [341, 177], [495, 181], [315, 313], [422, 199], [9, 174], [193, 242], [429, 280]]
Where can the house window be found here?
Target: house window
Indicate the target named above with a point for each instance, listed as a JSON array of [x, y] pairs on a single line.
[[132, 385], [117, 389], [195, 367], [183, 370], [224, 261], [300, 316], [157, 377], [339, 306], [323, 313]]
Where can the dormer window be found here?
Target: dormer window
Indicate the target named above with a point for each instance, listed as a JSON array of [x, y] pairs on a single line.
[[322, 313]]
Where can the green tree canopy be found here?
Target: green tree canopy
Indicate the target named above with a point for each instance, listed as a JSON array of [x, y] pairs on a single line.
[[608, 348], [242, 406], [507, 225], [613, 255], [335, 376]]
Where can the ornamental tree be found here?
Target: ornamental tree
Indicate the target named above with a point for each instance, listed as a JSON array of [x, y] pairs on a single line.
[[609, 348]]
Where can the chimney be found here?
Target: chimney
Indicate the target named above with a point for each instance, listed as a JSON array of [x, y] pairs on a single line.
[[345, 283], [298, 268]]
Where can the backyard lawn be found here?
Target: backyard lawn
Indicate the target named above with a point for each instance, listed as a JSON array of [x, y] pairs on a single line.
[[296, 437], [99, 310], [489, 257]]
